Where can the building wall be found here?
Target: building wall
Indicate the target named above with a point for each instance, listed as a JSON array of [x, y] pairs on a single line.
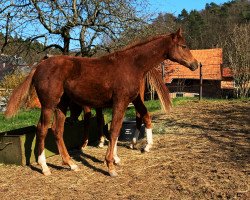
[[209, 89]]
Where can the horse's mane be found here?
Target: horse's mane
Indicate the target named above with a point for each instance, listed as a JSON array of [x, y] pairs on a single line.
[[140, 42], [136, 43]]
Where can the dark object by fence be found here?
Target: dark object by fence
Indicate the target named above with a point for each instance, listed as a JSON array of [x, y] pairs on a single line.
[[19, 146], [128, 129]]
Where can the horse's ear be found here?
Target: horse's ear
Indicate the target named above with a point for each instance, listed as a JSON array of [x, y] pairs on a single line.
[[177, 35], [179, 32]]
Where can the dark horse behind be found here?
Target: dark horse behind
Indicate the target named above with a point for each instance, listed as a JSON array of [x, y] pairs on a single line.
[[109, 81]]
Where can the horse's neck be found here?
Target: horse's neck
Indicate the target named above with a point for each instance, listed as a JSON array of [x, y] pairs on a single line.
[[148, 55]]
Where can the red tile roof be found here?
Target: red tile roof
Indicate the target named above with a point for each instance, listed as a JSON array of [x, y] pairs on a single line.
[[211, 60], [227, 72]]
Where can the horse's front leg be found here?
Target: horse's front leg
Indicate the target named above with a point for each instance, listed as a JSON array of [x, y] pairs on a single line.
[[118, 114], [141, 108]]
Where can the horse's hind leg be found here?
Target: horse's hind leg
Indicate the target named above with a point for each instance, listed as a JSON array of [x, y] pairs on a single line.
[[141, 108], [100, 125], [87, 116], [137, 130], [138, 115], [58, 129], [42, 130], [75, 111]]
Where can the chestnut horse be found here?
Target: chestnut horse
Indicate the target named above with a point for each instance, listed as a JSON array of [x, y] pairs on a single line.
[[163, 93], [111, 80], [155, 80]]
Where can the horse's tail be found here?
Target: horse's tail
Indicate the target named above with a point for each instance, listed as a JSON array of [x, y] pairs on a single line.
[[155, 80], [19, 95]]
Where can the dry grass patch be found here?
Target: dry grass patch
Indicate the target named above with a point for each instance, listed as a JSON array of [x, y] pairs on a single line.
[[202, 153]]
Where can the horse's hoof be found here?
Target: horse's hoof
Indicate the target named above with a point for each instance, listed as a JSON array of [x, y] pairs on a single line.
[[46, 173], [117, 160], [75, 168], [131, 146], [101, 145], [146, 148], [81, 151], [113, 173]]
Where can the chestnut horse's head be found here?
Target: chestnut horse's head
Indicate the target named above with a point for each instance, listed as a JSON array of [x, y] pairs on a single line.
[[179, 52]]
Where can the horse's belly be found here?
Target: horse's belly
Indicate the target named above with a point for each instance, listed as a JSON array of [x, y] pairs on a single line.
[[92, 94]]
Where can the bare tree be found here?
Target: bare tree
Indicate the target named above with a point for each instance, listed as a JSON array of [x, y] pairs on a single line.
[[238, 54], [14, 27], [66, 25]]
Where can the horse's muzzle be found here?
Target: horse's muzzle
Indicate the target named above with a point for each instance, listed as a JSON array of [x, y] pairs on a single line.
[[194, 65]]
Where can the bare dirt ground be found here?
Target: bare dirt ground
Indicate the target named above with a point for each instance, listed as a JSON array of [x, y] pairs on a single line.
[[201, 151]]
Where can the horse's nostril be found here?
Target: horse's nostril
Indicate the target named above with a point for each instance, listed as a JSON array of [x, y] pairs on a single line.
[[194, 66]]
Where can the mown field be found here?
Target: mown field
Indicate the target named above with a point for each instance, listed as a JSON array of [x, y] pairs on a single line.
[[201, 151]]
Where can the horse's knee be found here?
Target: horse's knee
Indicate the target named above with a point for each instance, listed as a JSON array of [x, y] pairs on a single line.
[[147, 121]]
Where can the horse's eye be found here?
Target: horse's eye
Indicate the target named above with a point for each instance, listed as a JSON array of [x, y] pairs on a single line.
[[184, 46]]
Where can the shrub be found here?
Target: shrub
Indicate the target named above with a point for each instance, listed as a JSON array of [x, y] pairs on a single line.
[[7, 84]]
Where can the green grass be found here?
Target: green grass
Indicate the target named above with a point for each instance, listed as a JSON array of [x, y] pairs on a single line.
[[152, 106], [22, 119], [30, 117]]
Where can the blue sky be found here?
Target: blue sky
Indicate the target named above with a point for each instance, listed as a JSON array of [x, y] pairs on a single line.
[[176, 6]]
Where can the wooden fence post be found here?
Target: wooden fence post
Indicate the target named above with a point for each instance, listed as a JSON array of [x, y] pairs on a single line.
[[201, 82]]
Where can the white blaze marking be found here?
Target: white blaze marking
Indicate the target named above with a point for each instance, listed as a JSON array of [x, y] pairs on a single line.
[[42, 162], [136, 135], [101, 142], [74, 167], [149, 136], [117, 159], [42, 159]]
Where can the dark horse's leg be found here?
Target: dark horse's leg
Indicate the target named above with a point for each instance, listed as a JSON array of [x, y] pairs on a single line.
[[87, 116], [138, 116], [75, 111], [141, 108], [58, 129], [137, 130], [100, 125], [119, 108]]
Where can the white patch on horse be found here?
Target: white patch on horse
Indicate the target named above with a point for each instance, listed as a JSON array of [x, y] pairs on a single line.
[[74, 167], [149, 136], [101, 142], [135, 138], [116, 158], [42, 162]]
